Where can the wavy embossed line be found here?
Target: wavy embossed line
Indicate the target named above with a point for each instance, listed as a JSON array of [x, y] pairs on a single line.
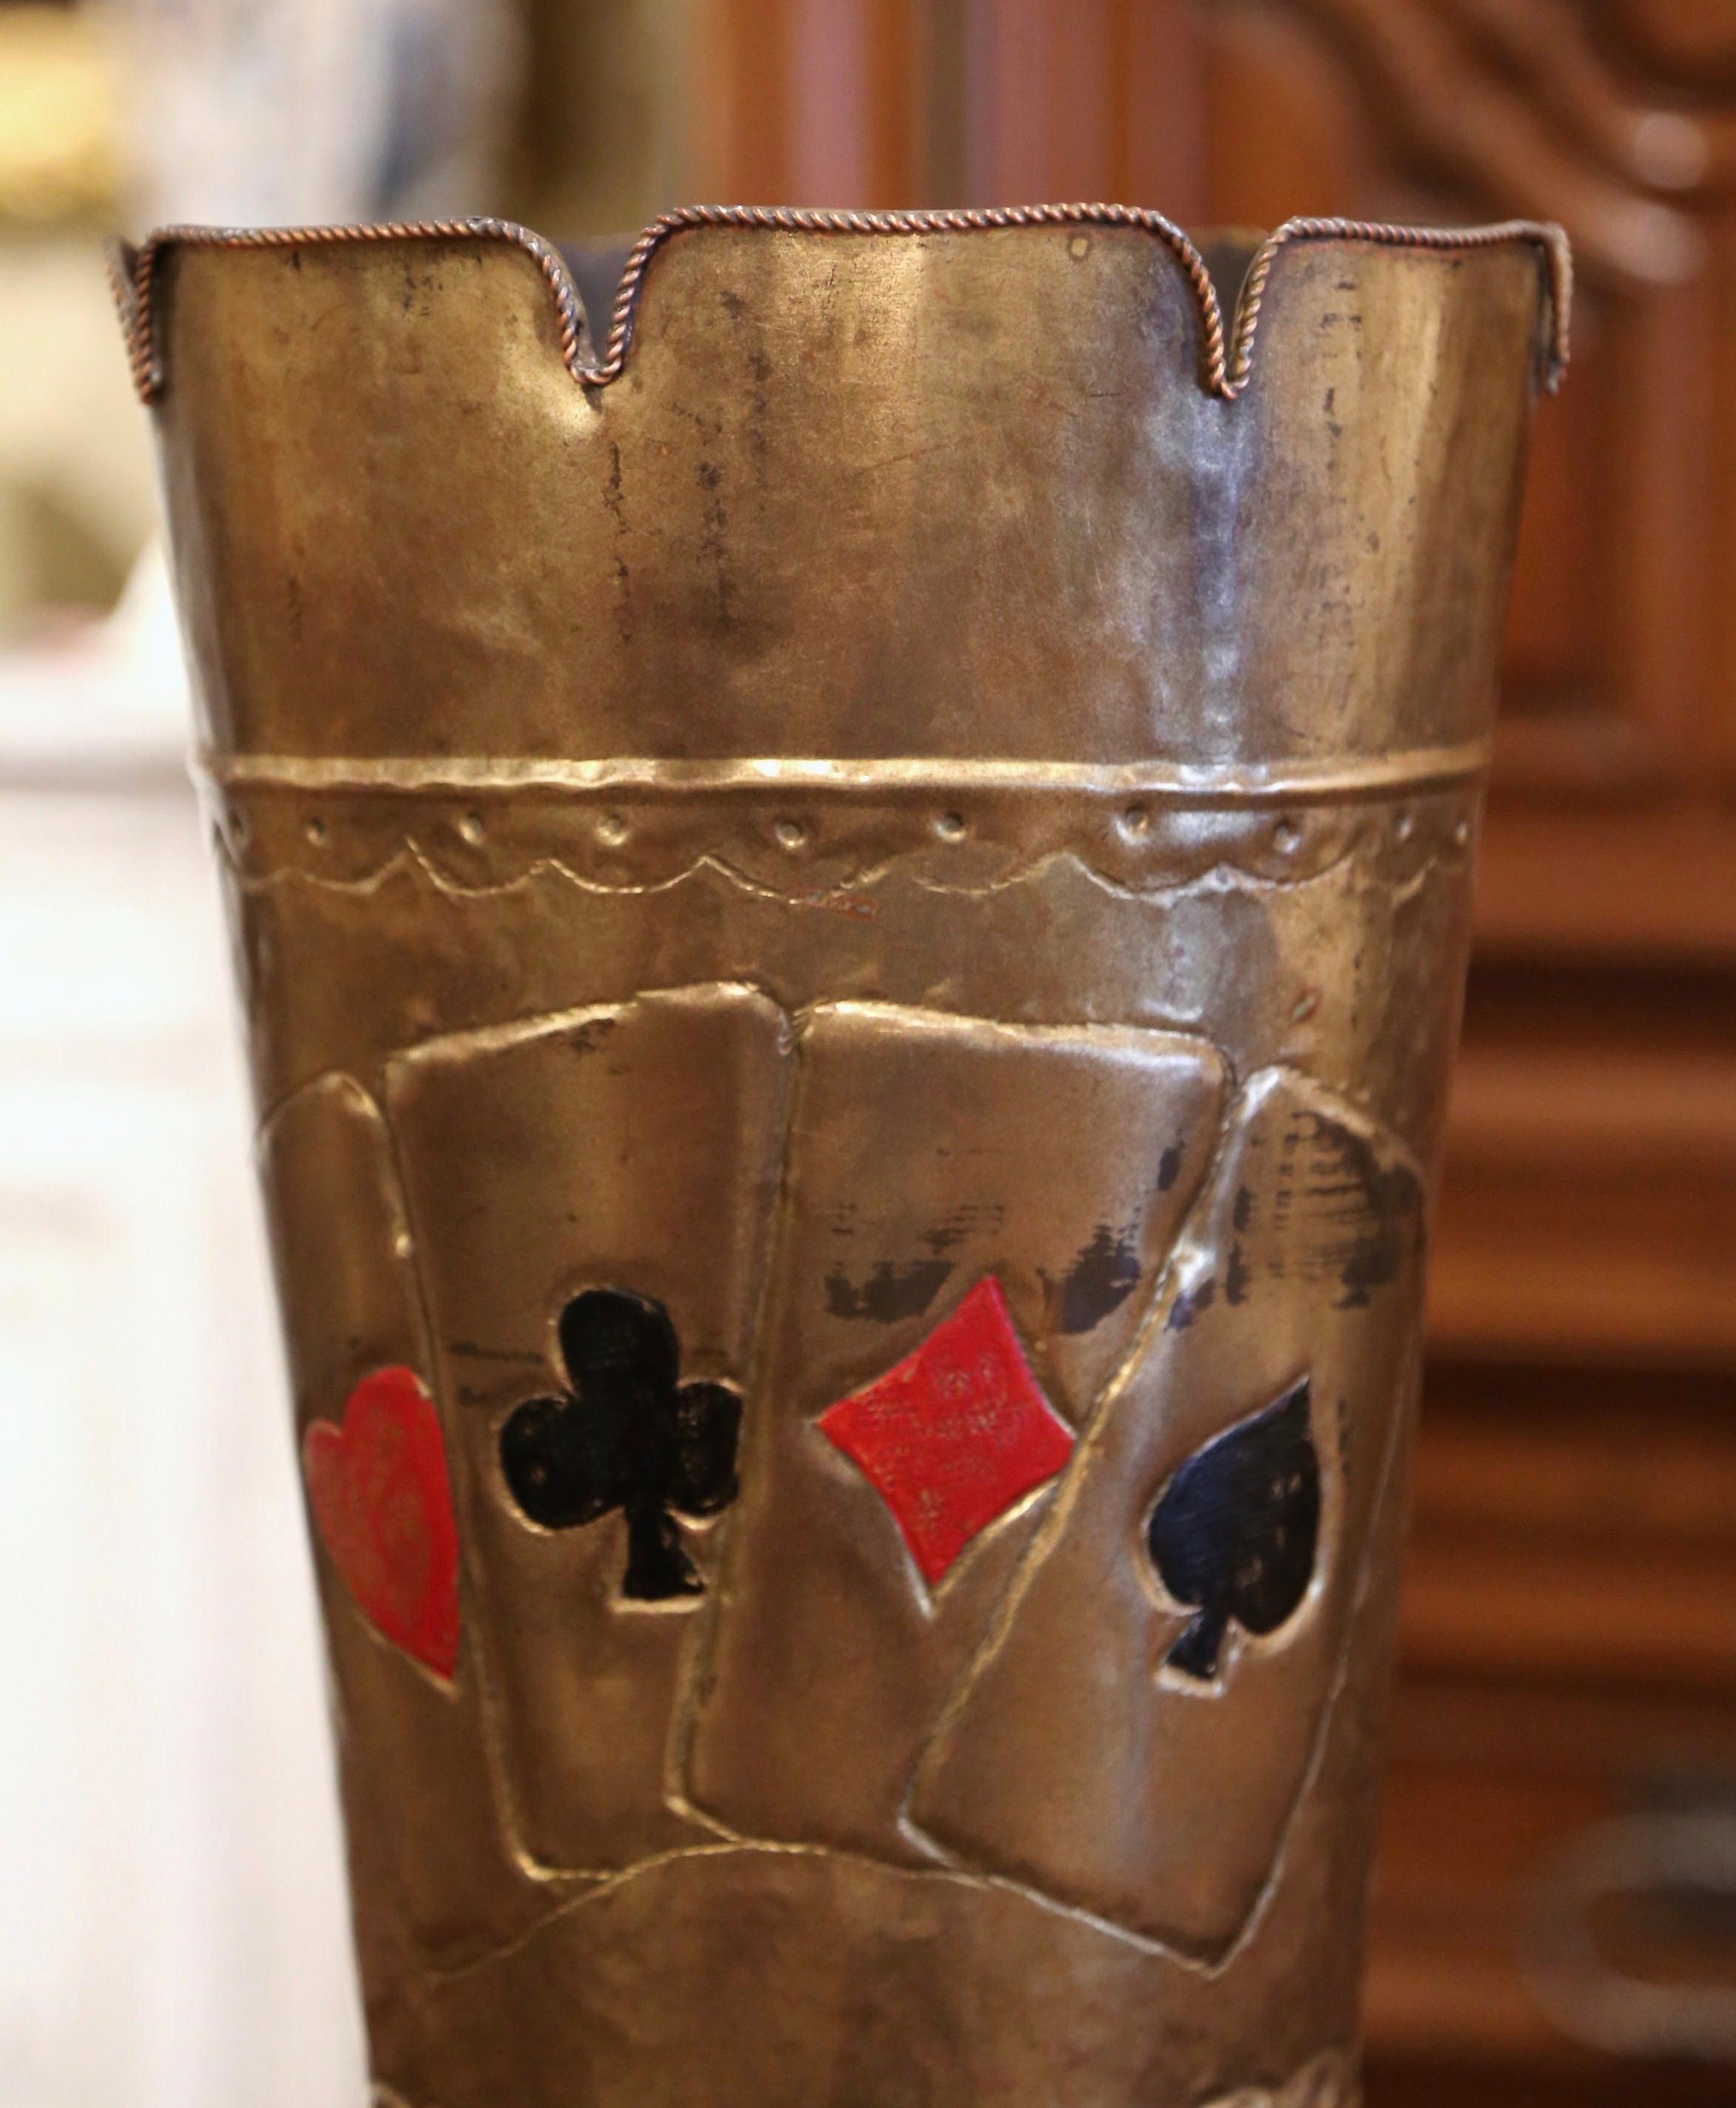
[[840, 893], [410, 857], [1227, 360]]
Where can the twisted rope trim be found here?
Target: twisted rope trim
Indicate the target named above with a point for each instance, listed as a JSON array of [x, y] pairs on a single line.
[[133, 275], [1228, 366]]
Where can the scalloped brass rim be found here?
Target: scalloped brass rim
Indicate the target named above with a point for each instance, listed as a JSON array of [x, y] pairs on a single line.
[[1227, 355]]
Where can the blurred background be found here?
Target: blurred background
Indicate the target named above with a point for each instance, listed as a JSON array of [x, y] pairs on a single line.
[[1554, 1920]]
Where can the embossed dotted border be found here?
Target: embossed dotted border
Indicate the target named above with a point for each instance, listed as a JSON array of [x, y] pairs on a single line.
[[1229, 359]]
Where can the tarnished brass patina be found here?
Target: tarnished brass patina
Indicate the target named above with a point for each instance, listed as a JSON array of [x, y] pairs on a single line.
[[851, 905]]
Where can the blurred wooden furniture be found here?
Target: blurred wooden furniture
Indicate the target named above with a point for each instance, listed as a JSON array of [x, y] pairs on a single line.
[[1570, 1638]]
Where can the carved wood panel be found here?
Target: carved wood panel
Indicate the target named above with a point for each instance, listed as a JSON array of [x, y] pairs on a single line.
[[1619, 648]]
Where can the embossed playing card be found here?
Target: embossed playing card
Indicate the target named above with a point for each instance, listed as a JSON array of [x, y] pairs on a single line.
[[403, 1667], [591, 1195], [960, 1265], [1213, 1543]]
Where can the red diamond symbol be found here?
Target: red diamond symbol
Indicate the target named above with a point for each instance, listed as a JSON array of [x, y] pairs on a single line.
[[954, 1434]]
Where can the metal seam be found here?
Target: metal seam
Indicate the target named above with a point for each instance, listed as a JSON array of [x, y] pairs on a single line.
[[1228, 367]]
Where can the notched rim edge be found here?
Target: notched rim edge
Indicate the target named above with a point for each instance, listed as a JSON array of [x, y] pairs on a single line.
[[1228, 359]]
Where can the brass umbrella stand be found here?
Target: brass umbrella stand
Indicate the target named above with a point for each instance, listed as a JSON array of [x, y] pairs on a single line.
[[852, 900]]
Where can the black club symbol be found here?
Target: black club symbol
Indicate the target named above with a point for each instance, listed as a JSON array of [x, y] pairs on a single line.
[[626, 1436]]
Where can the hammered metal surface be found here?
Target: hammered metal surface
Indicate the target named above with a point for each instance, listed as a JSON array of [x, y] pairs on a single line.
[[925, 1153], [927, 761], [1155, 1803], [632, 1145], [407, 1743]]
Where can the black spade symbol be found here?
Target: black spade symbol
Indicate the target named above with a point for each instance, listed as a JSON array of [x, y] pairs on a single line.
[[626, 1436], [1237, 1530]]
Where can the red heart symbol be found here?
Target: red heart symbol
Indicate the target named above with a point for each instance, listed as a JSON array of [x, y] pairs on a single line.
[[377, 1486]]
